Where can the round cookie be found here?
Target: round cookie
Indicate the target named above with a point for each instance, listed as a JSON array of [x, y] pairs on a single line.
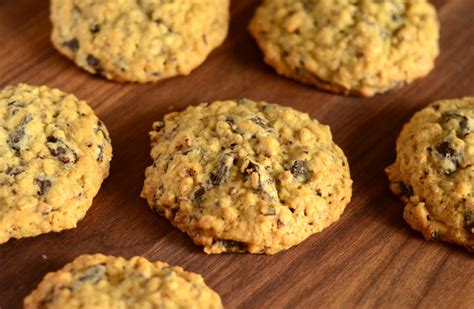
[[348, 47], [434, 171], [246, 176], [138, 41], [54, 155], [99, 281]]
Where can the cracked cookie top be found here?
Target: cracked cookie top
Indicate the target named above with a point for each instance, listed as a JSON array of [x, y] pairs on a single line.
[[349, 47], [246, 176], [99, 281], [138, 41], [54, 155], [434, 171]]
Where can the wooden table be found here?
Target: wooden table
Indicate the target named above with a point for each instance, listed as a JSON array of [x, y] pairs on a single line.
[[370, 258]]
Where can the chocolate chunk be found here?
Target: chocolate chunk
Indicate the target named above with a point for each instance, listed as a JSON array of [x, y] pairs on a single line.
[[92, 275], [300, 171], [233, 127], [266, 184], [158, 125], [72, 44], [435, 236], [469, 221], [63, 152], [16, 137], [270, 212], [223, 169], [95, 28], [280, 224], [198, 194], [44, 185], [463, 129], [92, 61], [261, 123], [13, 171], [251, 168], [51, 139], [404, 189], [232, 245], [450, 154], [100, 156]]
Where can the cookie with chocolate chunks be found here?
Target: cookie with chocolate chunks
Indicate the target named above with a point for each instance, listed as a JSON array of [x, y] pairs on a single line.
[[138, 41], [99, 281], [54, 155], [346, 46], [434, 171], [245, 176]]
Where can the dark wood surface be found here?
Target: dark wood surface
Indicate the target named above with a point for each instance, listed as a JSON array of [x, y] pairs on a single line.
[[370, 258]]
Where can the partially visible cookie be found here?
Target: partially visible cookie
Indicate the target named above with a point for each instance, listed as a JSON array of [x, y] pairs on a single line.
[[348, 47], [434, 171], [99, 281], [138, 41], [54, 155], [240, 175]]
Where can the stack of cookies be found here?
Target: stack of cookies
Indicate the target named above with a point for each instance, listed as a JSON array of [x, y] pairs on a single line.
[[235, 175]]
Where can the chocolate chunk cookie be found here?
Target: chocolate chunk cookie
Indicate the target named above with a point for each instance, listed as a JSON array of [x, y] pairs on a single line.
[[138, 41], [348, 47], [246, 176], [99, 281], [54, 155], [434, 171]]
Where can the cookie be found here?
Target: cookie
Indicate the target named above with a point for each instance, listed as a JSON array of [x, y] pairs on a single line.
[[54, 155], [434, 171], [246, 176], [138, 41], [348, 47], [99, 281]]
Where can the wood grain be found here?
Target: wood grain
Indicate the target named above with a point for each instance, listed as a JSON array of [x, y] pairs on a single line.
[[370, 258]]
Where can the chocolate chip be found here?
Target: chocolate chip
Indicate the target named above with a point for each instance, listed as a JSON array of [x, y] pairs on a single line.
[[280, 224], [404, 189], [232, 245], [300, 171], [44, 186], [156, 74], [72, 44], [92, 61]]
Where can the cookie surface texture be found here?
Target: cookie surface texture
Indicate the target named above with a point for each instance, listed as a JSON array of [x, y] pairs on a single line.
[[54, 155], [348, 47], [138, 41], [99, 281], [434, 171], [242, 176]]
